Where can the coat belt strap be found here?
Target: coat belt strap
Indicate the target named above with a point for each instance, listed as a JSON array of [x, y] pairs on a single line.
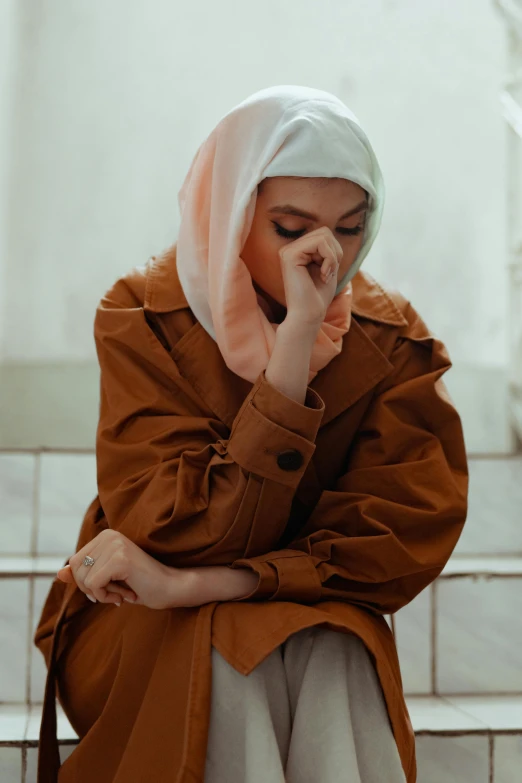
[[49, 754]]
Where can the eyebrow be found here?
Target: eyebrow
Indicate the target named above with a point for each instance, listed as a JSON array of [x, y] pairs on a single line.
[[288, 209]]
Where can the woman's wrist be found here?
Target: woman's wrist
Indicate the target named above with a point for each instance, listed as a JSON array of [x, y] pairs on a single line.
[[204, 584], [289, 365]]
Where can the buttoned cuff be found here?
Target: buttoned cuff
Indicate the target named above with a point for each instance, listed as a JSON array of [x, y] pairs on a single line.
[[304, 420], [284, 575], [269, 423]]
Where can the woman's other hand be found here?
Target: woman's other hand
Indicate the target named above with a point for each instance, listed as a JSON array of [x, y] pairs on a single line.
[[122, 570]]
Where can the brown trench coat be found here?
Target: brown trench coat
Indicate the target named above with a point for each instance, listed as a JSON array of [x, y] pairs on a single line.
[[361, 517]]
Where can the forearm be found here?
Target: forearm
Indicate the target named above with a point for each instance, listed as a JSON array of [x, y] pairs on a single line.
[[289, 364], [204, 584]]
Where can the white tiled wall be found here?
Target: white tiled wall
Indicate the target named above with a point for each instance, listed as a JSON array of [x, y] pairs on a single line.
[[508, 759], [11, 764], [38, 670], [67, 486], [14, 649], [495, 508], [414, 643], [17, 501], [439, 757], [479, 635]]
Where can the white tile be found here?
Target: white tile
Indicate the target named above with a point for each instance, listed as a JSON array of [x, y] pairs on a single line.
[[495, 500], [37, 662], [412, 629], [35, 721], [49, 565], [17, 475], [479, 635], [67, 488], [498, 713], [31, 765], [14, 623], [481, 396], [507, 755], [13, 722], [10, 765], [433, 713], [16, 565], [452, 759]]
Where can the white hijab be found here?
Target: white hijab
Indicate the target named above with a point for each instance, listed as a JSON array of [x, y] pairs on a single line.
[[279, 131]]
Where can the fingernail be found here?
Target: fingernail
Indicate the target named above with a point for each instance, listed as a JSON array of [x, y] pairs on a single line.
[[117, 604], [91, 599]]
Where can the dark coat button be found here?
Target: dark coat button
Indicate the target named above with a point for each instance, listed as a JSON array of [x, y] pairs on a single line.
[[290, 459]]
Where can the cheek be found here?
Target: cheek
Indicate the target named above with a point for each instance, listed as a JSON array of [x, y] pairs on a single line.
[[262, 254]]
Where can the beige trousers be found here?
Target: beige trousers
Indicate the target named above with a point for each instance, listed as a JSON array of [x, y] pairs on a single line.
[[312, 712]]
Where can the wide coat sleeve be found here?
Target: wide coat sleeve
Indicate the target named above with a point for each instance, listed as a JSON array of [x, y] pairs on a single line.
[[392, 519], [171, 476]]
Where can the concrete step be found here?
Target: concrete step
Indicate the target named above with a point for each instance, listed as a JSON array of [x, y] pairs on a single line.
[[495, 508], [459, 740]]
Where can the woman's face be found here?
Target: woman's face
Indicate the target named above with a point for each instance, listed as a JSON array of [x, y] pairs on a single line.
[[326, 200]]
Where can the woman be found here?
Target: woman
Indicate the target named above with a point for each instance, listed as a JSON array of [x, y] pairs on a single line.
[[279, 466]]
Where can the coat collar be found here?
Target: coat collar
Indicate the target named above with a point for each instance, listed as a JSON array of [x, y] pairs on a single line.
[[350, 375]]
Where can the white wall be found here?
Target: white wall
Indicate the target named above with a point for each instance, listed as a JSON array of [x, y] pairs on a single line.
[[8, 51], [113, 100]]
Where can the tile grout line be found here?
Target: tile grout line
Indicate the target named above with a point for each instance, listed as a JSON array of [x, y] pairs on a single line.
[[463, 694], [491, 741]]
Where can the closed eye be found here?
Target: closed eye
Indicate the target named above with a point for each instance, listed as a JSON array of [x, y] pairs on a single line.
[[284, 232]]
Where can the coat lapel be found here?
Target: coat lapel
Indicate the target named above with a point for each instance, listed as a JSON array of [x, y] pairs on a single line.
[[355, 371]]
